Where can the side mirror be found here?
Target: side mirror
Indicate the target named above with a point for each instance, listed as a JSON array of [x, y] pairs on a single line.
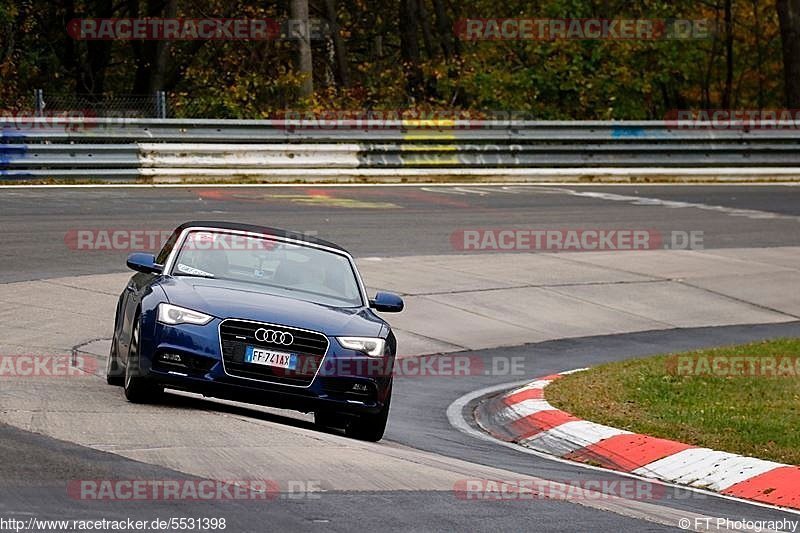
[[386, 302], [144, 263]]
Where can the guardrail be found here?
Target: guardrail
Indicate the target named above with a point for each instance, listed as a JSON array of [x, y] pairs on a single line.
[[135, 148]]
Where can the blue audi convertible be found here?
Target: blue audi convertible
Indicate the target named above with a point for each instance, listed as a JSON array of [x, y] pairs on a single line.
[[256, 315]]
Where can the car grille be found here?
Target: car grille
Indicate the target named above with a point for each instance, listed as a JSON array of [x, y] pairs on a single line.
[[309, 346]]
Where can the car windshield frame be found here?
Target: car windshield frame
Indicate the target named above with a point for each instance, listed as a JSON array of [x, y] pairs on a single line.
[[171, 264]]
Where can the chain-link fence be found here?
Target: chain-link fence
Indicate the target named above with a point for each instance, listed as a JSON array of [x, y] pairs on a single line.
[[110, 106], [257, 105], [159, 105]]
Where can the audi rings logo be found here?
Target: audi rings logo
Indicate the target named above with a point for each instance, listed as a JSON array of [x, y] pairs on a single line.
[[274, 336]]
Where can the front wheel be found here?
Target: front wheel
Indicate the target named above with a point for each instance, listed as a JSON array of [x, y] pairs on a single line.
[[137, 388], [368, 426]]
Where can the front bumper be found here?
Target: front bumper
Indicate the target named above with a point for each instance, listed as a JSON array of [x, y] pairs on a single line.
[[348, 382]]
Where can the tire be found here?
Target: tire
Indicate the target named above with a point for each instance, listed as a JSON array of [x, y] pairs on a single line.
[[370, 427], [137, 388], [113, 376]]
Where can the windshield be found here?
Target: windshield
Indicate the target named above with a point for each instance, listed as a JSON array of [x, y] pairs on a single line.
[[277, 267]]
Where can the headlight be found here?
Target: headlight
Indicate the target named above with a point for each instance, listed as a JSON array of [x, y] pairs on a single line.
[[368, 345], [173, 315]]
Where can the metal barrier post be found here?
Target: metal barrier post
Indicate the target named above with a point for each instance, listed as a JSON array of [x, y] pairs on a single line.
[[161, 104], [38, 99]]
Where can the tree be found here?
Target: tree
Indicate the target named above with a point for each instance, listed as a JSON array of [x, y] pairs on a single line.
[[339, 47], [152, 57], [385, 54], [299, 16], [92, 76], [408, 25], [789, 17], [726, 93], [445, 29]]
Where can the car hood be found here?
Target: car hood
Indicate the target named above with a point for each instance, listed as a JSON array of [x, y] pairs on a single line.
[[230, 299]]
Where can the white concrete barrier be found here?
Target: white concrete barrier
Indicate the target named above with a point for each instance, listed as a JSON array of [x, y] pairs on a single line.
[[247, 156]]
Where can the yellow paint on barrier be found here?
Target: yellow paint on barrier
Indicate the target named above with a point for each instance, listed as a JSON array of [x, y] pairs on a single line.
[[429, 154], [428, 147], [425, 130], [422, 130], [429, 136], [428, 123]]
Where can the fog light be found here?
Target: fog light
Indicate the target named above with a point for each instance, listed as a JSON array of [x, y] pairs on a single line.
[[359, 387], [172, 358]]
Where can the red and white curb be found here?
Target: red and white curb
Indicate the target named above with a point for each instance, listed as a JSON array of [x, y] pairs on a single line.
[[523, 416]]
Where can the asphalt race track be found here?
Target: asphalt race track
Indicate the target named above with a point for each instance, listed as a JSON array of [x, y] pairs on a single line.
[[382, 221], [58, 298]]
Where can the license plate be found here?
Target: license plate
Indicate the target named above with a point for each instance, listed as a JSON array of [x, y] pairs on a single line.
[[259, 356]]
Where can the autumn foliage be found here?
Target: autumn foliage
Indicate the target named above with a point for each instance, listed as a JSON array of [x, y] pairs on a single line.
[[399, 54]]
